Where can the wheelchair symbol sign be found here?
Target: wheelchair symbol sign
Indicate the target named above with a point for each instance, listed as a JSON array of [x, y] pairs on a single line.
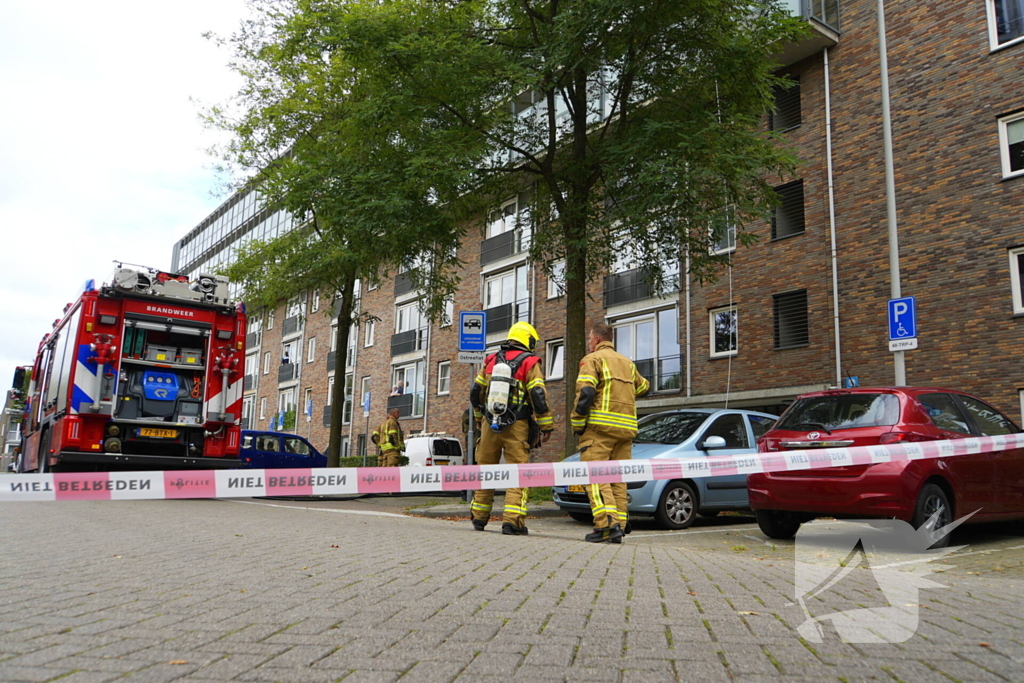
[[902, 318]]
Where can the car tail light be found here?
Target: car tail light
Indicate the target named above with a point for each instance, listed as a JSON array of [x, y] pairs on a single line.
[[430, 461], [900, 437]]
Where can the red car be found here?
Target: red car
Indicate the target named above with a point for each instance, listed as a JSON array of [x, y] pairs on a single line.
[[991, 483]]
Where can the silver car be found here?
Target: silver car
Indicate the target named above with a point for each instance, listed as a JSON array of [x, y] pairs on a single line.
[[686, 433]]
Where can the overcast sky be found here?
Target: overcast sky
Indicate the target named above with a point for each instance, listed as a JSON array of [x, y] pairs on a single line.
[[102, 154]]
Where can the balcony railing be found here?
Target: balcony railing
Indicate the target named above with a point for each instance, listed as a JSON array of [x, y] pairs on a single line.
[[408, 342], [332, 360], [664, 374], [621, 288], [504, 245], [403, 283], [409, 405], [287, 372], [253, 339], [291, 325], [501, 318], [327, 415], [249, 383]]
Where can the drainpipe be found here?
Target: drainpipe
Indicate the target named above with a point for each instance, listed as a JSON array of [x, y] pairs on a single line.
[[426, 378], [689, 339], [832, 223]]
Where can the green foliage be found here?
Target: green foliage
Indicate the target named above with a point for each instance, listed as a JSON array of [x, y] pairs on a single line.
[[289, 421]]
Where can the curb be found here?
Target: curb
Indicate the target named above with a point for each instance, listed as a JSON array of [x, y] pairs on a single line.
[[545, 509]]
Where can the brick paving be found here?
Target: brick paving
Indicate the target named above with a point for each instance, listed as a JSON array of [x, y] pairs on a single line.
[[212, 590]]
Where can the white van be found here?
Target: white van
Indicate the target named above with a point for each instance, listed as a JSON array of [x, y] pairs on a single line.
[[433, 448]]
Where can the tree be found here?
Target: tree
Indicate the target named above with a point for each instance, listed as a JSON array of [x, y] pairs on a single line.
[[299, 129], [636, 123]]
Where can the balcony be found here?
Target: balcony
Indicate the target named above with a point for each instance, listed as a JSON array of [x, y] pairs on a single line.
[[504, 245], [409, 405], [501, 318], [287, 372], [823, 17], [253, 339], [624, 287], [664, 374], [408, 342], [249, 383], [403, 283], [291, 325]]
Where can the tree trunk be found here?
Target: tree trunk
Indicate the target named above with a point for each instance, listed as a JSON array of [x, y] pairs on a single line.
[[340, 363]]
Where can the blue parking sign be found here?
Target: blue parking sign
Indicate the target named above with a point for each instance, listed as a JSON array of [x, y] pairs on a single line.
[[902, 318], [473, 331]]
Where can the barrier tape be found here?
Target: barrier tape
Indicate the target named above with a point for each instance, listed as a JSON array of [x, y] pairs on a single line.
[[357, 480]]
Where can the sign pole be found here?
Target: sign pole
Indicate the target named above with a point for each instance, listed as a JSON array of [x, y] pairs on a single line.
[[472, 350], [471, 433]]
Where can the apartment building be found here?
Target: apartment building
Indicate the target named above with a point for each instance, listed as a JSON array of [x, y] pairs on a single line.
[[802, 309]]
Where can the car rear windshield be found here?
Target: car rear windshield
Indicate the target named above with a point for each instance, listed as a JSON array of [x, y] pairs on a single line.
[[845, 411], [671, 428]]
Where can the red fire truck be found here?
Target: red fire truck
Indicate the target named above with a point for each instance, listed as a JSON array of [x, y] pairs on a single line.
[[142, 373]]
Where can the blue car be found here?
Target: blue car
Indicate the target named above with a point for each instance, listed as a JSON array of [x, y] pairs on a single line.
[[277, 450], [686, 433]]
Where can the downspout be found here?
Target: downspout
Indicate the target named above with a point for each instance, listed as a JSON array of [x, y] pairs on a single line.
[[832, 223], [426, 378], [689, 340]]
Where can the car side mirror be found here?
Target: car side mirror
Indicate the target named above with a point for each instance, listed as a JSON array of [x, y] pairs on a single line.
[[713, 442]]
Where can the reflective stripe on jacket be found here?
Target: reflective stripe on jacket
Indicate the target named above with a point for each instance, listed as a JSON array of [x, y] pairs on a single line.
[[389, 436], [617, 383]]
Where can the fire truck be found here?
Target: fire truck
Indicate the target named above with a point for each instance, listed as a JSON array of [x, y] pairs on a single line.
[[143, 372]]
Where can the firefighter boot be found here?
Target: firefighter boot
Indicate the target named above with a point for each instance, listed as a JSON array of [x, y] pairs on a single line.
[[479, 525], [513, 530], [605, 535]]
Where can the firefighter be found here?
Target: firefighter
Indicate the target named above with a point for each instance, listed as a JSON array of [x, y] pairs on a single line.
[[506, 419], [389, 438], [605, 420]]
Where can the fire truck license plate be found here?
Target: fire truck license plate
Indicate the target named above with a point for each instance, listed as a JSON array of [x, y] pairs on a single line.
[[158, 433], [577, 488]]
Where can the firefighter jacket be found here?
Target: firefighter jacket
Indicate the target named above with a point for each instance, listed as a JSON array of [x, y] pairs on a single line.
[[389, 436], [606, 392], [529, 396]]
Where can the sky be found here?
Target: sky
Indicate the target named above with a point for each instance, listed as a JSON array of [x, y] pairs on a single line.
[[102, 150]]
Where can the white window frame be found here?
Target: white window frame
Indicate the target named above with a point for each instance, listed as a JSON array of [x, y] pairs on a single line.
[[556, 281], [711, 332], [307, 398], [310, 349], [729, 240], [270, 320], [314, 304], [444, 372], [413, 305], [368, 333], [1020, 397], [266, 362], [993, 34], [1004, 144], [263, 408], [550, 359], [449, 311], [330, 389], [1016, 279]]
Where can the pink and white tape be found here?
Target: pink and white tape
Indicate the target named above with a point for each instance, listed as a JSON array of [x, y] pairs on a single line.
[[356, 480]]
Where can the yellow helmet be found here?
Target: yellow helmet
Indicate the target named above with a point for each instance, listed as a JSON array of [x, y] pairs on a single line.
[[525, 334]]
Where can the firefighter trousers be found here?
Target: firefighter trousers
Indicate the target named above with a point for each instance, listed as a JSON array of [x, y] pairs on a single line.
[[607, 501], [511, 440], [389, 458]]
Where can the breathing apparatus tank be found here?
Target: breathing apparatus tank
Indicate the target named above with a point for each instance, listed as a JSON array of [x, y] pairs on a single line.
[[498, 393]]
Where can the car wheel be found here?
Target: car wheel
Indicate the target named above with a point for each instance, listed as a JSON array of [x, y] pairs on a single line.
[[932, 502], [678, 506], [710, 513], [778, 524], [583, 517]]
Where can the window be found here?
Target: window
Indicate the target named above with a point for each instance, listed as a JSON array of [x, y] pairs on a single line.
[[295, 446], [310, 349], [1017, 278], [1006, 22], [365, 393], [263, 408], [252, 364], [760, 425], [724, 327], [945, 413], [508, 289], [307, 404], [1011, 144], [370, 328], [444, 369], [330, 390], [732, 428], [408, 318], [449, 312], [790, 319], [314, 304], [334, 336], [556, 360], [789, 214], [988, 420], [270, 320], [512, 214], [652, 342], [290, 352], [556, 281], [346, 409], [786, 111], [409, 382], [266, 362], [723, 235], [294, 307]]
